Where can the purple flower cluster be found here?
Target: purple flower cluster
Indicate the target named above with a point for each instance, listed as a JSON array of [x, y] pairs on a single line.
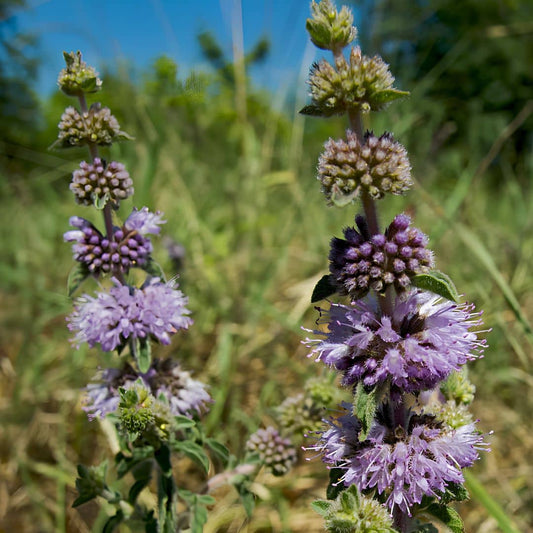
[[423, 341], [362, 261], [156, 310], [129, 246], [185, 396], [403, 465], [276, 452], [98, 180]]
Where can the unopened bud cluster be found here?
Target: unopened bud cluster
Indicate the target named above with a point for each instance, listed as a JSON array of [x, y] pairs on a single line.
[[95, 126], [100, 254], [96, 181], [277, 453], [378, 165], [352, 512], [330, 29], [78, 77], [303, 414], [354, 85], [361, 261]]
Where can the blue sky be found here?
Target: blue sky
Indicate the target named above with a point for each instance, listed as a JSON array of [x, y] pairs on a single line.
[[141, 30]]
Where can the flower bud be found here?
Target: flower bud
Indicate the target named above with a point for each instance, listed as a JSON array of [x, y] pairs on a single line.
[[78, 77], [277, 454], [95, 126], [329, 29], [361, 261], [352, 512], [361, 84], [97, 181], [377, 165], [459, 388]]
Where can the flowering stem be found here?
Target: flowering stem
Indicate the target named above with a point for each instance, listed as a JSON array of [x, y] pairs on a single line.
[[108, 218], [401, 520]]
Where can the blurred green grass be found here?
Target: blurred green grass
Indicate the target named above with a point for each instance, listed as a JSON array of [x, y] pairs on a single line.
[[239, 193]]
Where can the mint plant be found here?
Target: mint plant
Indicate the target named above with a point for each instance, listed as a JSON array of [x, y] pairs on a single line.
[[154, 405], [400, 336]]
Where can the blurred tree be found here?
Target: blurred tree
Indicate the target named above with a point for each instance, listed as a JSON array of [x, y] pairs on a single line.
[[224, 66], [473, 62], [19, 109]]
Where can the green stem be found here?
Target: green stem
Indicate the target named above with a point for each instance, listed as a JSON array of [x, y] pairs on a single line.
[[166, 497]]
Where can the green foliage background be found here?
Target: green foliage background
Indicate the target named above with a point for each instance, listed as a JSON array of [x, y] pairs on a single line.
[[234, 173]]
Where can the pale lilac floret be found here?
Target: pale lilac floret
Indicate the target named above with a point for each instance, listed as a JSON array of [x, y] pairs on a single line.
[[144, 222], [404, 468], [112, 318], [423, 341], [102, 396], [185, 396]]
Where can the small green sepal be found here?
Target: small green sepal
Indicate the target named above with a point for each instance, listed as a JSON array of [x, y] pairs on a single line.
[[154, 269], [438, 283], [324, 288]]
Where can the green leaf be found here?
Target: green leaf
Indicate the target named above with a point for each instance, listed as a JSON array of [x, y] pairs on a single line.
[[136, 489], [335, 486], [154, 269], [438, 283], [83, 498], [142, 354], [113, 522], [206, 499], [162, 456], [194, 452], [481, 496], [389, 95], [364, 408], [313, 110], [455, 492], [199, 518], [184, 422], [69, 58], [447, 516], [321, 507], [247, 497], [341, 199], [219, 450], [90, 85], [76, 277], [323, 289], [100, 202]]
